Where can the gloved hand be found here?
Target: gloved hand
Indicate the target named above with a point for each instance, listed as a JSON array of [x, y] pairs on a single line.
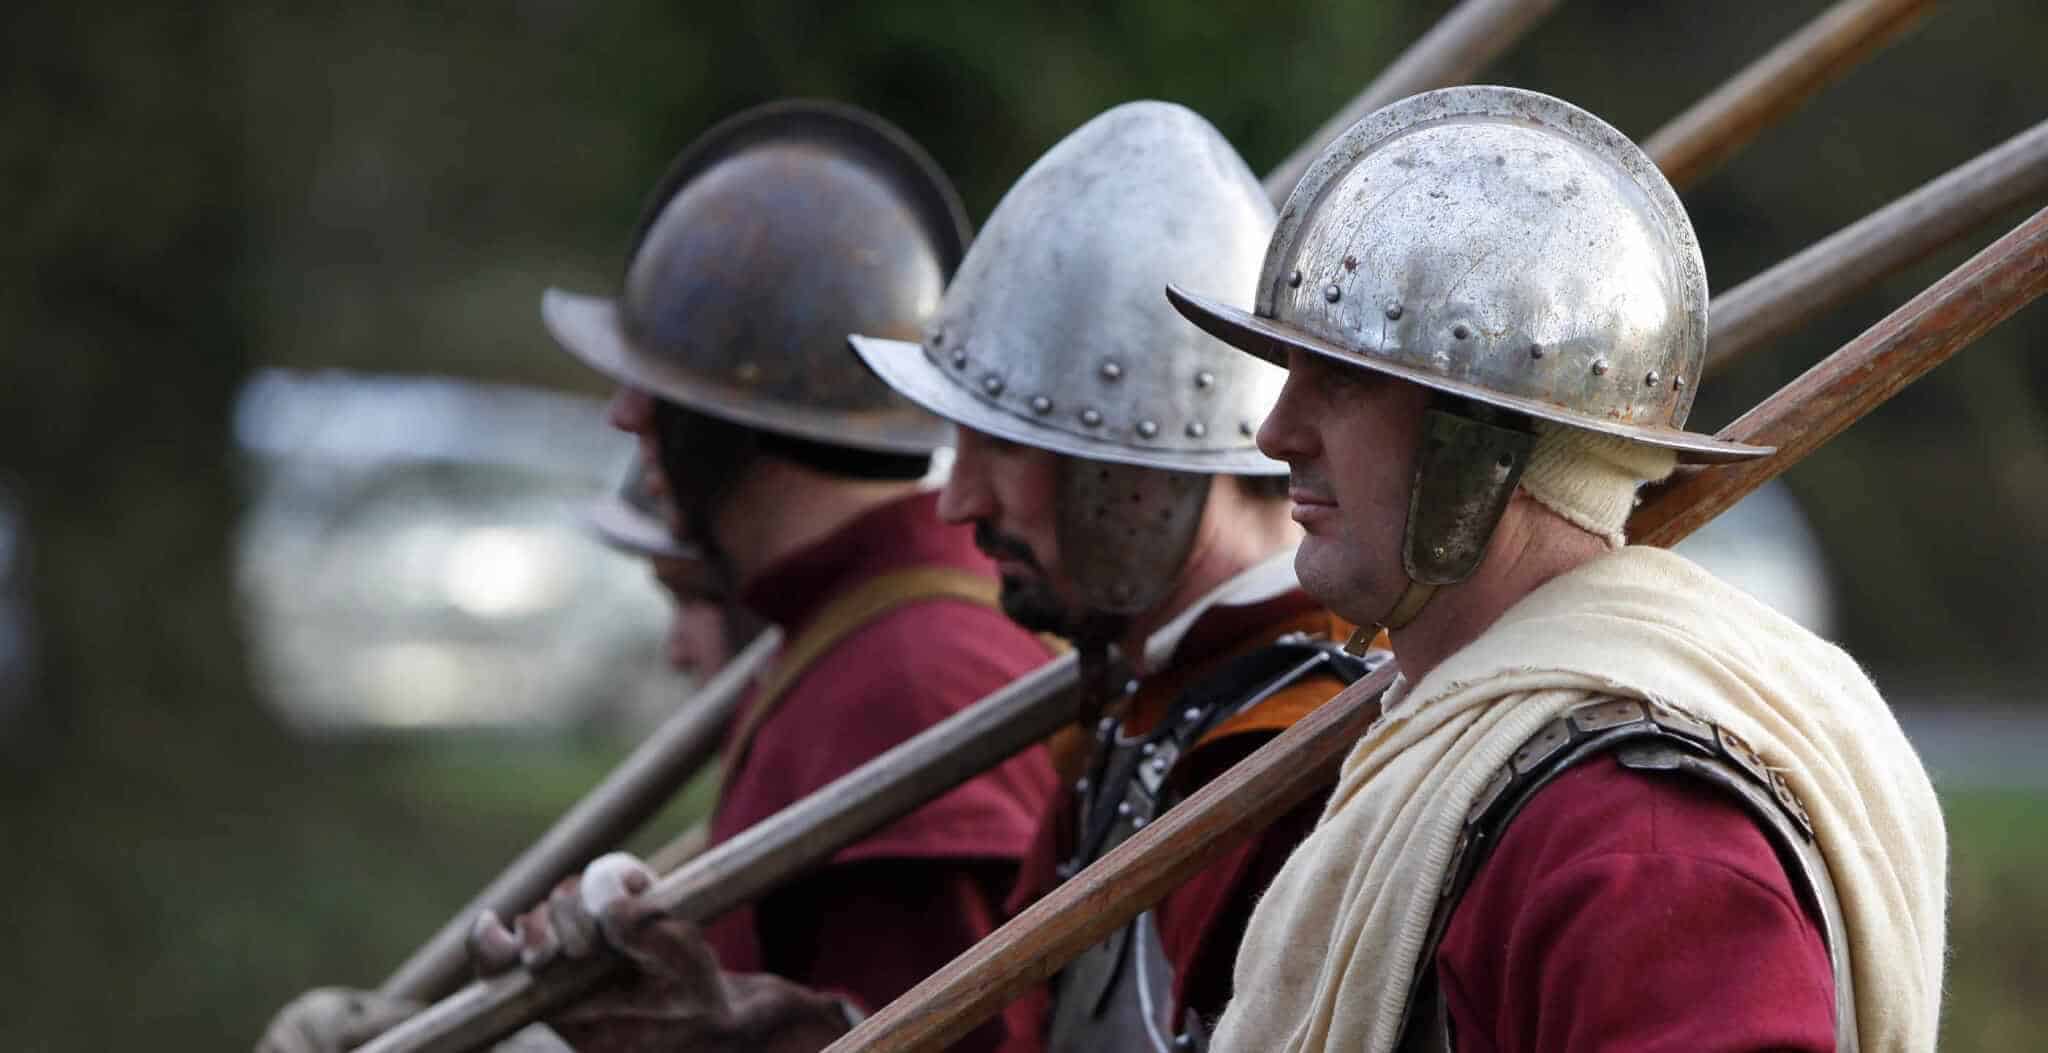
[[333, 1020], [676, 996]]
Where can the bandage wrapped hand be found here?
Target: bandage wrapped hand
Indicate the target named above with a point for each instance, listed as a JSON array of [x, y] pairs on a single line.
[[675, 997]]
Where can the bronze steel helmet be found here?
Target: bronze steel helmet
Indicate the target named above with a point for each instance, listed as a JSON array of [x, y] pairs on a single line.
[[1515, 254], [631, 519], [774, 235], [1053, 335]]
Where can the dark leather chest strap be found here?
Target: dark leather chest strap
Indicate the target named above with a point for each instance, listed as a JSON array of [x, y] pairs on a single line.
[[1640, 739]]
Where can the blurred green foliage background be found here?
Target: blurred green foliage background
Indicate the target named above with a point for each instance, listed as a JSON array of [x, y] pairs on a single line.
[[199, 190]]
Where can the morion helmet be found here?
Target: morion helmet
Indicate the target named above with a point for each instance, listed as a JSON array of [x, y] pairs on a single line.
[[774, 235], [1053, 335], [1513, 253]]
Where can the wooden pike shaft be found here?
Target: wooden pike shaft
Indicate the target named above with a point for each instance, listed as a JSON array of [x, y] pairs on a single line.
[[607, 815], [1282, 773], [2009, 274], [1822, 51], [1888, 240], [1461, 44]]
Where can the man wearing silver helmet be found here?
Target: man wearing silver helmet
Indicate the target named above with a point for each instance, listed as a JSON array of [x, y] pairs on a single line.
[[1104, 457], [795, 476], [1612, 802]]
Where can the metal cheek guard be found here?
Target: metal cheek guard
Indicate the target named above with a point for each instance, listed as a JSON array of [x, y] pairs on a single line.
[[1470, 459], [1125, 532]]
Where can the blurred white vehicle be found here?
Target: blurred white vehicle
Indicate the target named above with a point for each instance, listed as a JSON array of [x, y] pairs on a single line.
[[413, 555]]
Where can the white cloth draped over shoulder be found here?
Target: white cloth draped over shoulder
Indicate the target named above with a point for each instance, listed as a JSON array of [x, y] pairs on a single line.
[[1326, 961]]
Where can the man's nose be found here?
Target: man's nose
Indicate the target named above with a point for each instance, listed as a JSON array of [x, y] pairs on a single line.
[[1283, 436], [966, 496], [632, 411]]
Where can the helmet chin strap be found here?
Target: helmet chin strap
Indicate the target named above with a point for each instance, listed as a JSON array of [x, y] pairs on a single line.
[[1406, 607]]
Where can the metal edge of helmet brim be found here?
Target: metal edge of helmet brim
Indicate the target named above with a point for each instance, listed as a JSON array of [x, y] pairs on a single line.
[[930, 192], [903, 366], [623, 528], [1264, 338], [588, 327]]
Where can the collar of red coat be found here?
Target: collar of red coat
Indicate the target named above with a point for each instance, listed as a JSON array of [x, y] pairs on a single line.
[[892, 536]]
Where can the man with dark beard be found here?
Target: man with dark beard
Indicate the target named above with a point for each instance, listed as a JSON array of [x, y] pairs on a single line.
[[1104, 456]]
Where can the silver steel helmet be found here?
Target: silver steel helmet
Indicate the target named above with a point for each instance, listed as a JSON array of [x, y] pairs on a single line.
[[1498, 245], [1515, 254], [773, 236], [631, 519], [1053, 335]]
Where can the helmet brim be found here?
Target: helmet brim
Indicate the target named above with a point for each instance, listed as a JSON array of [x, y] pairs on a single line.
[[1270, 340], [590, 328], [628, 530], [904, 366]]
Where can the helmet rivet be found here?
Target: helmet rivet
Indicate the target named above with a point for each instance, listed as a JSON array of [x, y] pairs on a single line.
[[1148, 428], [1040, 404], [992, 384], [1090, 418], [1460, 331], [960, 359], [1599, 367], [1196, 429], [1205, 380], [938, 338], [1393, 312], [1650, 378], [1112, 371], [1294, 280], [1332, 293], [1438, 553], [1678, 383], [1535, 350], [1244, 428]]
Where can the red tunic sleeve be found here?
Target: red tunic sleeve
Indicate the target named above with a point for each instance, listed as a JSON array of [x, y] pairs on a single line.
[[1627, 910]]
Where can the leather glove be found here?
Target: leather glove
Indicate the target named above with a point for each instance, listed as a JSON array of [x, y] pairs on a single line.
[[675, 996]]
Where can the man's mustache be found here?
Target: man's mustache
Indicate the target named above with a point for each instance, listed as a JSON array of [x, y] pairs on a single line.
[[997, 545], [1312, 485]]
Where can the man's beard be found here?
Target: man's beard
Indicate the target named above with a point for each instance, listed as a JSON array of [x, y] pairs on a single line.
[[1027, 599], [1032, 603]]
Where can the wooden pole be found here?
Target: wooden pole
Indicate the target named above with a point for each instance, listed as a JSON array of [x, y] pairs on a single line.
[[1285, 771], [2009, 274], [1781, 81], [1882, 243], [1461, 44], [607, 815]]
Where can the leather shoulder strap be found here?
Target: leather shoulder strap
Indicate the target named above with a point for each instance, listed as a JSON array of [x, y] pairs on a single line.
[[845, 615], [1644, 739]]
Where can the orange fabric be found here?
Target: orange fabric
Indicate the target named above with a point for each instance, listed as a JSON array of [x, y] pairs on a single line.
[[1290, 703], [1144, 710]]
